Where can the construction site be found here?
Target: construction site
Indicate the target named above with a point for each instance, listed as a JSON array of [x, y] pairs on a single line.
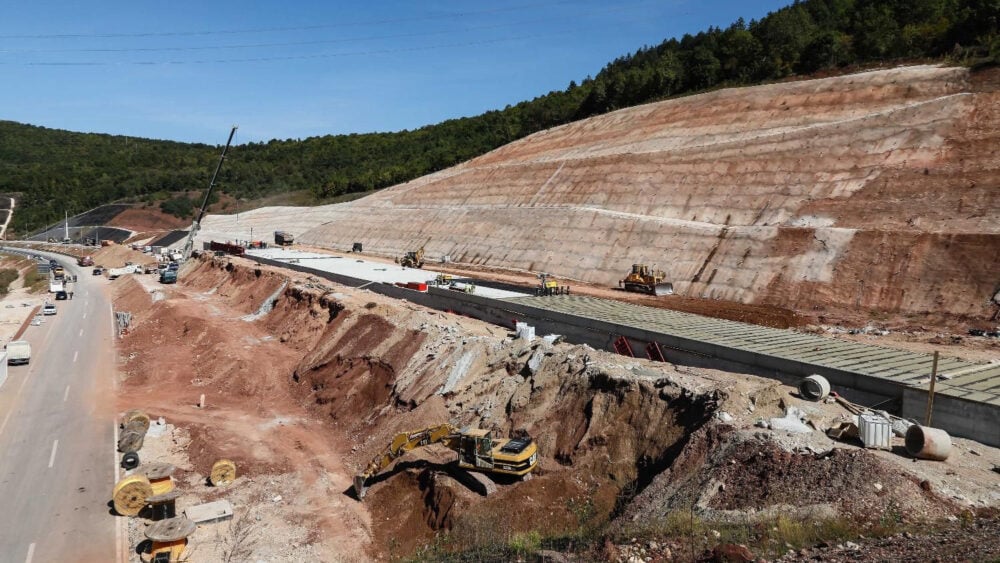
[[751, 324]]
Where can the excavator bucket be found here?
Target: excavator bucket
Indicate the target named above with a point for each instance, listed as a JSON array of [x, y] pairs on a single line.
[[359, 486], [663, 289]]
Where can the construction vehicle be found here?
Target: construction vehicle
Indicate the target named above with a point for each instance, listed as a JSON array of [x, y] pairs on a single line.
[[477, 451], [644, 279], [443, 279], [18, 352], [549, 286], [85, 261], [196, 225], [283, 238], [412, 259]]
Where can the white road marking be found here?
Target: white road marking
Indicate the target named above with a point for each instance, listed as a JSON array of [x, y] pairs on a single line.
[[31, 553], [84, 315], [4, 425], [66, 394], [75, 354], [52, 458], [81, 332]]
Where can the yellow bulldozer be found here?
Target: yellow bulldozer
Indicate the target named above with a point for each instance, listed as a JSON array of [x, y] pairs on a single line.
[[645, 279], [412, 259], [477, 451]]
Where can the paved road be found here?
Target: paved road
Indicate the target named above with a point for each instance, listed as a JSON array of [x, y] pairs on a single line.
[[57, 436]]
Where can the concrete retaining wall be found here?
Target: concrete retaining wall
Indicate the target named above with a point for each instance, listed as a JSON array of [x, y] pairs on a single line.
[[968, 419], [978, 421]]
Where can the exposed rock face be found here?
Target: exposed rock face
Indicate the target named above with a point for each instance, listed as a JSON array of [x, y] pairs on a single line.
[[875, 191]]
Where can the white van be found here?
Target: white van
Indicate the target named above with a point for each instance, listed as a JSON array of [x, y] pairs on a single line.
[[18, 352]]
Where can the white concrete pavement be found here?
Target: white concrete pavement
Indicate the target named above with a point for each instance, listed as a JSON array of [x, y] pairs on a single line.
[[57, 436], [357, 267]]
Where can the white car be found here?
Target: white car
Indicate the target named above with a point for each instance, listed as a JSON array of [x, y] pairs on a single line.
[[49, 309]]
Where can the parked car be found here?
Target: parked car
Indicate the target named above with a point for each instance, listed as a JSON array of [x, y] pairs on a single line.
[[49, 309], [61, 295]]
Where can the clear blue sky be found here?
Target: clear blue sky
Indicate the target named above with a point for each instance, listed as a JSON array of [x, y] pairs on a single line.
[[187, 71]]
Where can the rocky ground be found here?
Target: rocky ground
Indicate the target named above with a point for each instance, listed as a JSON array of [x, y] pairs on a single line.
[[303, 394]]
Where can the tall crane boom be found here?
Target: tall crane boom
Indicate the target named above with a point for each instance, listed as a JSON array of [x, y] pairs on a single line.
[[196, 226]]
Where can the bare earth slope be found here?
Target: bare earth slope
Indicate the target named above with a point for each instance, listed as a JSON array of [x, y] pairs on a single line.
[[870, 192]]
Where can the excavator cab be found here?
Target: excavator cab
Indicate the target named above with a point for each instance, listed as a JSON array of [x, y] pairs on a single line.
[[476, 449]]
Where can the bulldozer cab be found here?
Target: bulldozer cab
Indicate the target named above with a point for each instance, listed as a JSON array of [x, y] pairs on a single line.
[[640, 269]]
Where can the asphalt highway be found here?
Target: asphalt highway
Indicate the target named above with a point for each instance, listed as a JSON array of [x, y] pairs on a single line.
[[57, 433]]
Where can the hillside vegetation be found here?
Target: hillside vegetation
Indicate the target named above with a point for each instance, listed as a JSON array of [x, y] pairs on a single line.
[[57, 170]]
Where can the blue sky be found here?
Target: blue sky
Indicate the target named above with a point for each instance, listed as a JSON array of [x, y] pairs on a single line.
[[187, 71]]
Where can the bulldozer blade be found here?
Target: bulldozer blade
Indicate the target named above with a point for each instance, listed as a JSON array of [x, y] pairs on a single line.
[[359, 486], [663, 289]]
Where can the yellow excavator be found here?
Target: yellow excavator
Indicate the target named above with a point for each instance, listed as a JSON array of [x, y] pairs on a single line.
[[412, 259], [644, 279], [477, 450]]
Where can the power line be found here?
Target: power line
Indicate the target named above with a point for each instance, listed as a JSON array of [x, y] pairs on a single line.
[[266, 45], [312, 56], [282, 29]]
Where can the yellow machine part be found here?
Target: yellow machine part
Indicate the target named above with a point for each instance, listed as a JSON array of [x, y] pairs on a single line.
[[176, 549], [130, 494], [160, 486], [136, 415], [223, 473]]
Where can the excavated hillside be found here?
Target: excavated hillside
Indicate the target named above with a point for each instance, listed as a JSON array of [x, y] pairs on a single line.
[[304, 383], [874, 192]]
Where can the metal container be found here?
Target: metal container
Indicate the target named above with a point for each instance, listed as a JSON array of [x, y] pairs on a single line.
[[925, 442], [875, 431], [814, 388]]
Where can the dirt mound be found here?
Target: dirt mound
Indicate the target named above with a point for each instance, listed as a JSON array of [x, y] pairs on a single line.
[[144, 219], [724, 474]]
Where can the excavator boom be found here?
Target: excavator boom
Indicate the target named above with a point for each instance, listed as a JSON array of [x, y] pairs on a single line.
[[401, 443]]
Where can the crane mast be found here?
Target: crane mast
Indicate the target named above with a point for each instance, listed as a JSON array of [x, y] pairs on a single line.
[[196, 226]]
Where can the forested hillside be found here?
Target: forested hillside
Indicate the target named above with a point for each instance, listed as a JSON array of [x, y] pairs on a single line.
[[57, 170]]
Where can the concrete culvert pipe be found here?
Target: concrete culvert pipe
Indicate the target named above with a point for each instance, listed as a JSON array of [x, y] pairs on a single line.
[[814, 388], [928, 443]]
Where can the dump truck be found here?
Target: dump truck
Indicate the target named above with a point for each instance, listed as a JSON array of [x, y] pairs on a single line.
[[412, 259], [645, 279], [168, 276], [18, 352], [477, 450], [283, 238]]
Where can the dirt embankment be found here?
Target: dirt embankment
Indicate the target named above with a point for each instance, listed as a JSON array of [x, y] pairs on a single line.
[[303, 396], [860, 197]]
